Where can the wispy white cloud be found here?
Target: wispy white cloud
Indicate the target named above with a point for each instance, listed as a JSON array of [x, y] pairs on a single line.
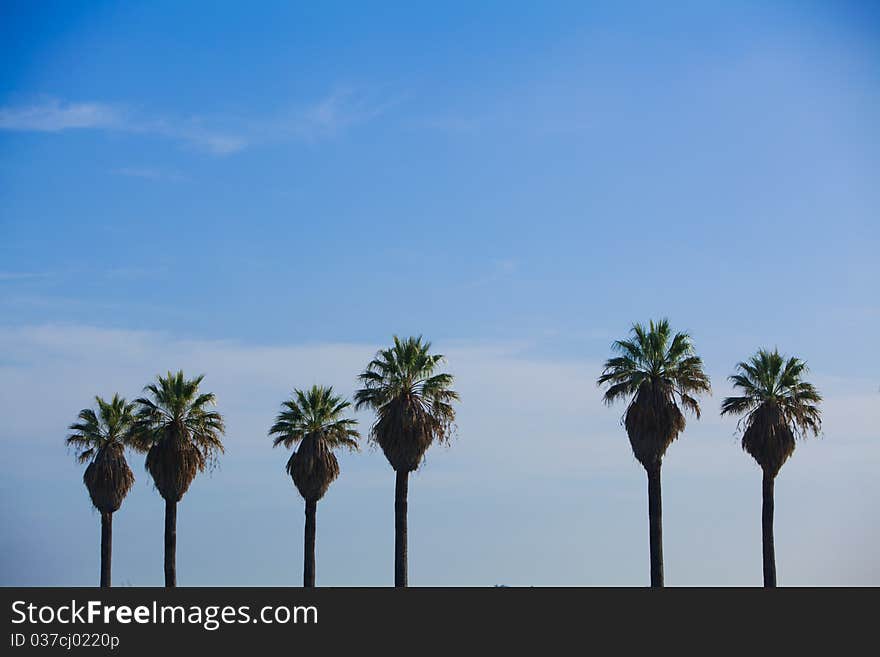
[[53, 115], [194, 133], [324, 118], [338, 111]]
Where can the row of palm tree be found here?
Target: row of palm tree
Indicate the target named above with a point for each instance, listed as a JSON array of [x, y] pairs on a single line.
[[659, 374], [655, 371], [180, 434]]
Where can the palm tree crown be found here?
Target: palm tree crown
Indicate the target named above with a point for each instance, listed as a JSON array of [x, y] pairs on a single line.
[[95, 431], [180, 431], [658, 370], [101, 439], [313, 420], [777, 405], [412, 402]]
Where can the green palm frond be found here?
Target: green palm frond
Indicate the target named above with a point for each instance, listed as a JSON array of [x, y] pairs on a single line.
[[651, 354], [318, 412], [113, 423]]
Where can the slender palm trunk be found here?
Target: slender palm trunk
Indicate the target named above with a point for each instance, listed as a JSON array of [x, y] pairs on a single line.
[[309, 547], [655, 525], [767, 532], [400, 491], [106, 547], [170, 543]]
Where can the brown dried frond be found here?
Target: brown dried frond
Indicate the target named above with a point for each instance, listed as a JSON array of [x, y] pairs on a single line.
[[108, 478], [653, 421], [768, 438], [174, 463], [405, 429], [313, 467]]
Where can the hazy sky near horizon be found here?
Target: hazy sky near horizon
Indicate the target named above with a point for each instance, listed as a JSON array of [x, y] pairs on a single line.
[[267, 195]]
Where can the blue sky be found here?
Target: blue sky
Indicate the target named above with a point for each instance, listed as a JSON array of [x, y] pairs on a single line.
[[267, 195]]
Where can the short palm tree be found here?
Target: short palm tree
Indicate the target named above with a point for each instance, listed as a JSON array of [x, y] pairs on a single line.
[[413, 404], [313, 420], [656, 371], [776, 406], [181, 436], [100, 438]]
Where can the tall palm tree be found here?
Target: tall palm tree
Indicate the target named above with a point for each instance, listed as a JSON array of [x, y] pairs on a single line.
[[777, 406], [182, 438], [656, 371], [413, 404], [313, 420], [100, 439]]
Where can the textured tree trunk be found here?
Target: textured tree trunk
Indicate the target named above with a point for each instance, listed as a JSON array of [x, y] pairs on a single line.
[[400, 491], [767, 532], [655, 525], [106, 547], [170, 543], [309, 547]]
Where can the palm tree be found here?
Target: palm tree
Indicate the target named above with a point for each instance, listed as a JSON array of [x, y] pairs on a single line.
[[778, 406], [313, 420], [182, 438], [656, 371], [100, 439], [413, 405]]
